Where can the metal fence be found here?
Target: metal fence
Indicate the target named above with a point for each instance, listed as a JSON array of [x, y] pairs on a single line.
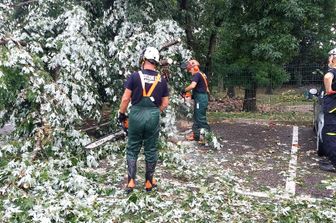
[[305, 74], [291, 98]]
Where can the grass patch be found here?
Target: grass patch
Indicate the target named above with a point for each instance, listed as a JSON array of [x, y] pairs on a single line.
[[288, 97], [298, 118]]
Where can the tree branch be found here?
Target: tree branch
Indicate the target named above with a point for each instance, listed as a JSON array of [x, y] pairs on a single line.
[[19, 4], [4, 41], [23, 3]]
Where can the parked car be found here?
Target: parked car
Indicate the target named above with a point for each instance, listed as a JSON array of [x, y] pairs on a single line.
[[318, 122]]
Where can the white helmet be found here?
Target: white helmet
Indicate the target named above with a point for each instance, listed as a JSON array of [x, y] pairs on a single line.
[[332, 52], [151, 54]]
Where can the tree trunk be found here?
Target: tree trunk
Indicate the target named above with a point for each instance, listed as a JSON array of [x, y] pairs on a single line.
[[231, 92], [269, 89], [187, 23], [211, 47], [250, 100], [298, 77], [220, 85]]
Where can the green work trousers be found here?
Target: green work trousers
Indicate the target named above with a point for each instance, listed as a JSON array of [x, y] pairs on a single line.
[[200, 108], [143, 129]]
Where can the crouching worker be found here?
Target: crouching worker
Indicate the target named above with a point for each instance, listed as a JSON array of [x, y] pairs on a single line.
[[329, 110], [148, 93], [200, 94]]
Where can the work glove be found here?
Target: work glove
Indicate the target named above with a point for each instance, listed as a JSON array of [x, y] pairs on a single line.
[[122, 117], [183, 92], [332, 92], [123, 120]]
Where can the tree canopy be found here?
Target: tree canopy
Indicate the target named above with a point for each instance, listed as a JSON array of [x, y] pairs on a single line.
[[258, 38]]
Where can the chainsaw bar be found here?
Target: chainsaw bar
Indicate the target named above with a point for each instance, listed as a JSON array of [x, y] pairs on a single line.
[[109, 138]]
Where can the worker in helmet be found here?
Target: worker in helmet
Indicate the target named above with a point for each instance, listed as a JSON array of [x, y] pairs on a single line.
[[148, 93], [329, 110], [200, 93]]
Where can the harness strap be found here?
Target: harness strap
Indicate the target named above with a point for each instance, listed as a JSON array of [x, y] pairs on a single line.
[[158, 78], [142, 82], [205, 81], [151, 89]]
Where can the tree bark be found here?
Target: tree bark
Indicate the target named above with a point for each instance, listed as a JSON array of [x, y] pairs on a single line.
[[22, 3], [231, 92], [250, 99], [220, 84], [211, 46], [269, 89], [187, 23], [4, 41]]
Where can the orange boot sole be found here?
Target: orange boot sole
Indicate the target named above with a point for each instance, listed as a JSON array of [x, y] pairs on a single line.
[[190, 137], [149, 186], [130, 186]]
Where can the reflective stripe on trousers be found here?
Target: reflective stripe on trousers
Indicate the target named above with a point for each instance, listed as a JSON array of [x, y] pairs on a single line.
[[329, 142]]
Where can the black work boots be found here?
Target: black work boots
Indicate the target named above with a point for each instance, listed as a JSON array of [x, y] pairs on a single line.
[[327, 167], [131, 168], [150, 182]]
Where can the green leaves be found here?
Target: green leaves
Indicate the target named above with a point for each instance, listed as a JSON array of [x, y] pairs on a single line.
[[258, 38], [11, 81]]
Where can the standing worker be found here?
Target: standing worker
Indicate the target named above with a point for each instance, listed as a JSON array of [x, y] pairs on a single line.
[[148, 93], [200, 94], [329, 110]]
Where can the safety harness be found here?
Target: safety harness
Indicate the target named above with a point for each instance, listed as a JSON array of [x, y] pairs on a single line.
[[205, 81], [151, 89]]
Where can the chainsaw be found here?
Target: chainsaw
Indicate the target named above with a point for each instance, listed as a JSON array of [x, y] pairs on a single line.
[[119, 135]]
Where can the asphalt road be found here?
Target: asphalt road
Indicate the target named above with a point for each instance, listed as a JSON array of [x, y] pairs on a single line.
[[260, 154]]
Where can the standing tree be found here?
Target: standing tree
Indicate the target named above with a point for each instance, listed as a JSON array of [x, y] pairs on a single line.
[[201, 21], [258, 38], [315, 35]]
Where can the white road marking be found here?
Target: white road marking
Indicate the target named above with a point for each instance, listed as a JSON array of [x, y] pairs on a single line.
[[277, 196], [290, 182]]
